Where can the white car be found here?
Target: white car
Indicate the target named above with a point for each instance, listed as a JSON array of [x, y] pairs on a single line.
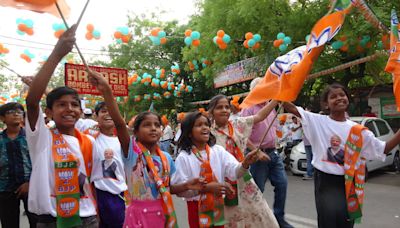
[[380, 128]]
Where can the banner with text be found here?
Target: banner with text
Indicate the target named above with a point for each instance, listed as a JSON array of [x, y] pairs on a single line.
[[76, 77], [237, 72]]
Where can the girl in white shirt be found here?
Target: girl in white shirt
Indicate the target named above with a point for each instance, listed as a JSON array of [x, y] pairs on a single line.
[[199, 157], [339, 169]]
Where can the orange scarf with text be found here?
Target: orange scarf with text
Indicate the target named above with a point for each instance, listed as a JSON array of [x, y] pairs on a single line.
[[167, 204], [354, 166], [66, 174], [233, 148], [211, 206]]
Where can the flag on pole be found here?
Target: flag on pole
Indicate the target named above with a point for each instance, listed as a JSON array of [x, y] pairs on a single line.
[[40, 6], [286, 75], [393, 64]]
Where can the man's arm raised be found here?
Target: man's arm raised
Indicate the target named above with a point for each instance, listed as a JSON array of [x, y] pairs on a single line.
[[39, 84]]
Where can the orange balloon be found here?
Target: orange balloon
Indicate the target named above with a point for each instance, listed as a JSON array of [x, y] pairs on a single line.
[[26, 58], [58, 33], [154, 31], [276, 43], [220, 33], [29, 31], [196, 43], [245, 44], [220, 41], [163, 40], [22, 27], [89, 36], [256, 46], [90, 27], [188, 32], [126, 38], [223, 46], [5, 50], [118, 35], [344, 48], [249, 36]]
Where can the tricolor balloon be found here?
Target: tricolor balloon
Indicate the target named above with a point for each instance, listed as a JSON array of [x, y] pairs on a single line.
[[92, 32], [222, 39], [252, 41], [25, 26], [158, 36], [192, 38], [122, 35], [59, 29], [27, 56]]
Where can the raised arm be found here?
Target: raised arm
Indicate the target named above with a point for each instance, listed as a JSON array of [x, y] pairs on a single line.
[[39, 84], [290, 107], [96, 79], [394, 141], [265, 111]]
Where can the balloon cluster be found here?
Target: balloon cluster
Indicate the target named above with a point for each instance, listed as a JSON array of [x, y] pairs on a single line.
[[59, 29], [192, 38], [164, 84], [158, 36], [364, 43], [252, 41], [177, 93], [193, 65], [171, 86], [147, 96], [160, 73], [137, 98], [155, 82], [175, 69], [25, 26], [3, 50], [222, 39], [167, 94], [205, 62], [27, 56], [92, 33], [122, 35], [146, 79], [282, 41], [384, 43], [341, 44], [156, 96], [134, 79]]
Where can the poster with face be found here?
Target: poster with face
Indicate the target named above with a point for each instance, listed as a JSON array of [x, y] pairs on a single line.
[[335, 153], [109, 165]]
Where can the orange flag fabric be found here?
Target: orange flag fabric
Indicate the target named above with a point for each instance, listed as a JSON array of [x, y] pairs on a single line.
[[286, 75], [40, 6], [393, 65]]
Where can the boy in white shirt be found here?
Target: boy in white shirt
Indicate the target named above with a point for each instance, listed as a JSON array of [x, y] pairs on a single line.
[[59, 191], [108, 170]]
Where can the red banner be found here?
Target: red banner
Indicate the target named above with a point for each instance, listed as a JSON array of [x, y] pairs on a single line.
[[76, 77]]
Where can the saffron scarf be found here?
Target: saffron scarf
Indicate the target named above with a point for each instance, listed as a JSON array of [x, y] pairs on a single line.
[[354, 166], [232, 147], [66, 177], [211, 206], [167, 204]]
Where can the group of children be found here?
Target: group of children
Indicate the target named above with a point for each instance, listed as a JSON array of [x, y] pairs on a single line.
[[109, 178]]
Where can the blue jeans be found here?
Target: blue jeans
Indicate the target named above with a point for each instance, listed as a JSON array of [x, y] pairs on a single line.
[[273, 170], [310, 168]]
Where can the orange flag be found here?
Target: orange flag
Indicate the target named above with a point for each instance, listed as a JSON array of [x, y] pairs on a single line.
[[393, 65], [40, 6], [286, 75]]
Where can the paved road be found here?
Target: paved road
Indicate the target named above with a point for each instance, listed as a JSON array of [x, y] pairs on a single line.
[[381, 208]]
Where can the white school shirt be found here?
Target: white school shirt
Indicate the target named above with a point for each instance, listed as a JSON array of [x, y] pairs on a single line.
[[298, 134], [41, 198], [319, 130], [114, 182], [223, 164], [168, 134]]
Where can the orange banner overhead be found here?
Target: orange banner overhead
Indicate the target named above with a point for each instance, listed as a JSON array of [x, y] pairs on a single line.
[[40, 6], [76, 77]]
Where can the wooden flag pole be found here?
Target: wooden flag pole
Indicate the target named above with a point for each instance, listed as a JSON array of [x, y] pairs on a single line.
[[79, 20]]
